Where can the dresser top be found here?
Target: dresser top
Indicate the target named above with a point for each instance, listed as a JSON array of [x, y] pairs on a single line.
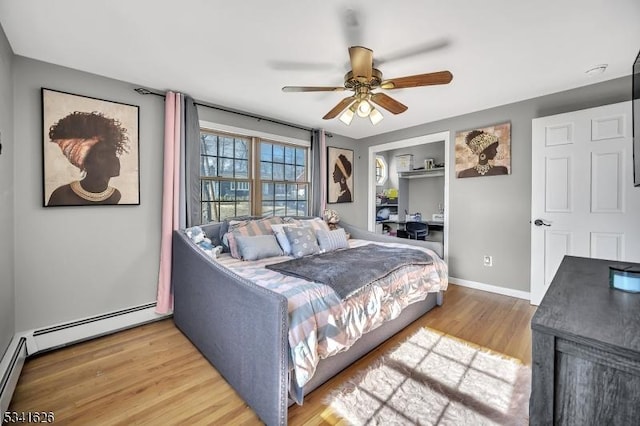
[[579, 304]]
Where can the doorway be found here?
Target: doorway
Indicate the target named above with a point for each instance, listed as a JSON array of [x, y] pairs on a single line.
[[407, 143]]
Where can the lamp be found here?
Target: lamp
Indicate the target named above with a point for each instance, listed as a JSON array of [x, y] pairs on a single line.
[[347, 116], [364, 108], [375, 116]]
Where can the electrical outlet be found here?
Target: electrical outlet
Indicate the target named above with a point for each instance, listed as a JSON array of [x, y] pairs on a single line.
[[487, 260]]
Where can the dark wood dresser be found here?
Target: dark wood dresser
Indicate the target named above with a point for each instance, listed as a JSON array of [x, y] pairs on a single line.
[[586, 349]]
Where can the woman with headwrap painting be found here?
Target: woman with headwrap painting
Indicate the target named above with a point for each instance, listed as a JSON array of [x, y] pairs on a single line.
[[92, 143], [485, 146], [341, 173]]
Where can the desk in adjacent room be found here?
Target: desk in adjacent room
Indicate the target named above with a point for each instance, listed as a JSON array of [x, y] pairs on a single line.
[[435, 225]]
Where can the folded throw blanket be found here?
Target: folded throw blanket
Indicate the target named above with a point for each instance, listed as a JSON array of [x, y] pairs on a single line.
[[347, 271]]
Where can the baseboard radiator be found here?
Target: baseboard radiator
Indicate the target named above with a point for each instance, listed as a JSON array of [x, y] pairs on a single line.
[[10, 367], [40, 340]]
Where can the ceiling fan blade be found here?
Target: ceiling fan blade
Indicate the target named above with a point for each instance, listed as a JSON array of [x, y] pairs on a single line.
[[361, 62], [388, 103], [416, 50], [312, 89], [301, 66], [352, 30], [440, 77], [342, 105]]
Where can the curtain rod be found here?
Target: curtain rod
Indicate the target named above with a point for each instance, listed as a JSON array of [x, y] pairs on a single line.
[[143, 91]]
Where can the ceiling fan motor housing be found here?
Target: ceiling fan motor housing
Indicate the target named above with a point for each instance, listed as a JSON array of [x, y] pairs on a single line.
[[351, 82]]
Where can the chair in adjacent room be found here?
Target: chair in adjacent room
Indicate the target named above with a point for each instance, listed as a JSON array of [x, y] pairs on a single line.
[[417, 230]]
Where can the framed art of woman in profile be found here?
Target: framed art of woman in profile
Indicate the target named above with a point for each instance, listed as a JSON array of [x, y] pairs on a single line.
[[90, 151], [339, 175]]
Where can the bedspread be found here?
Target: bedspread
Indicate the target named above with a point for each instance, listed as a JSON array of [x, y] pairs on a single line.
[[347, 271], [321, 324]]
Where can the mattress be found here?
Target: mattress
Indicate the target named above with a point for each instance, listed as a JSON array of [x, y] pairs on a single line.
[[321, 324]]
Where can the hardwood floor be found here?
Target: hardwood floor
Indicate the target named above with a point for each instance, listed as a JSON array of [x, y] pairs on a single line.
[[152, 374]]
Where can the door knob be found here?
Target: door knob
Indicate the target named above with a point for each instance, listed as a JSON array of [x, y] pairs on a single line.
[[540, 222]]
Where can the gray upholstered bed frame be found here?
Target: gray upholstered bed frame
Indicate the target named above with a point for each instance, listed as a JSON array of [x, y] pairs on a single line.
[[242, 328]]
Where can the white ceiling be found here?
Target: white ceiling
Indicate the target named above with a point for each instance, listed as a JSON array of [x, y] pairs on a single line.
[[239, 54]]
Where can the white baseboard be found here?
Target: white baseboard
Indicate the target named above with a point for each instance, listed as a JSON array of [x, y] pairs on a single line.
[[76, 331], [31, 342], [491, 288], [10, 368]]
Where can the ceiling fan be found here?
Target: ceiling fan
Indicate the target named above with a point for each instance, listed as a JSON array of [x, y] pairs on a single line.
[[363, 79]]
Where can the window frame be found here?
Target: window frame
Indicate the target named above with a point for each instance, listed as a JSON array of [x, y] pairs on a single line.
[[385, 170], [254, 180]]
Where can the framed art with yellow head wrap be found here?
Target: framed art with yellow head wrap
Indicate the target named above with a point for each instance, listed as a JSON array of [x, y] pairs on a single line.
[[484, 151], [339, 175], [90, 151]]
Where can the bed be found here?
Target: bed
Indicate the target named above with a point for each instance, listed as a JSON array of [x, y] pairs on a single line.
[[242, 327]]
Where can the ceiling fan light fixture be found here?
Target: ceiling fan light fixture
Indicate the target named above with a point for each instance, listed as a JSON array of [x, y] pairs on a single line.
[[364, 108], [375, 116], [347, 116]]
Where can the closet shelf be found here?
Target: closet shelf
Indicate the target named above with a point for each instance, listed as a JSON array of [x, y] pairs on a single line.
[[422, 173]]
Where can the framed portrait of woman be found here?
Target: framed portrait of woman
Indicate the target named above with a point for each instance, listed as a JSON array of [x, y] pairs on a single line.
[[339, 175], [90, 151], [484, 151]]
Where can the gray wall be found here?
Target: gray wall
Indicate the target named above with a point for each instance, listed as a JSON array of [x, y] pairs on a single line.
[[74, 262], [7, 295], [490, 215]]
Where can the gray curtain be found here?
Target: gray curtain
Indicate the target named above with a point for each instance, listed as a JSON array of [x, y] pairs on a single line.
[[191, 157], [318, 172]]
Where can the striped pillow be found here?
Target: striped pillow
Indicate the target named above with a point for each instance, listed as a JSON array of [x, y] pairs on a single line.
[[316, 224], [249, 228], [332, 240]]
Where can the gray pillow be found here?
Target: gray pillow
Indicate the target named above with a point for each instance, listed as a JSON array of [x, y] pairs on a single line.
[[257, 247], [332, 240], [303, 241], [282, 237]]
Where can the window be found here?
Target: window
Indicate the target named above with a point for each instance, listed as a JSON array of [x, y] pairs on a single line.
[[381, 170], [227, 181], [283, 177]]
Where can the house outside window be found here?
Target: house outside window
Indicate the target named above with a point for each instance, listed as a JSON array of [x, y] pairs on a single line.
[[230, 172]]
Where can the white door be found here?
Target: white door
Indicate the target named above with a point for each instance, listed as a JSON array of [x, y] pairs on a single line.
[[583, 199]]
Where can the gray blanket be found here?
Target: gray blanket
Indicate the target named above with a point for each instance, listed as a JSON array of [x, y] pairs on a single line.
[[346, 271]]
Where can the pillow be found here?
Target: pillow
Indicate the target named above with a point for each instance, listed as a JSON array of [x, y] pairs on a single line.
[[249, 228], [303, 241], [224, 229], [332, 240], [316, 224], [278, 231], [257, 247], [290, 220]]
